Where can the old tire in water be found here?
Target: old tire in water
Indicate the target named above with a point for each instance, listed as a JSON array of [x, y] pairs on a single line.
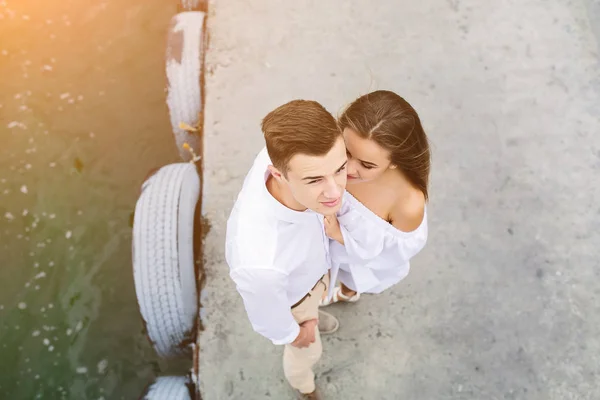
[[163, 257], [186, 43], [169, 388]]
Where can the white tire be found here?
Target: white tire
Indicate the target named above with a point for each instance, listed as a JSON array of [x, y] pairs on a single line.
[[184, 62], [163, 257], [168, 388]]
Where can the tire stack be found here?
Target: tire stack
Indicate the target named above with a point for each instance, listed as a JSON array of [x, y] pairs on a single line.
[[167, 212]]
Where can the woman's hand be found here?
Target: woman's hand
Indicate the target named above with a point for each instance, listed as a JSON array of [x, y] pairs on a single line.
[[332, 228]]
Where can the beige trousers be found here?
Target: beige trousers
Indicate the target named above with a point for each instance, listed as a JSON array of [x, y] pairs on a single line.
[[298, 363]]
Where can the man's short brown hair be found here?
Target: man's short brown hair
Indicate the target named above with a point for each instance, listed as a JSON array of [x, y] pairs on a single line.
[[298, 127]]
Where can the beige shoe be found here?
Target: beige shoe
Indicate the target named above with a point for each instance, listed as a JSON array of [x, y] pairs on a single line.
[[316, 395], [328, 324]]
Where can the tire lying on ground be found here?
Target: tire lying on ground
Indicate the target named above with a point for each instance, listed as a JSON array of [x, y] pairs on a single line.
[[168, 388], [163, 257], [186, 43]]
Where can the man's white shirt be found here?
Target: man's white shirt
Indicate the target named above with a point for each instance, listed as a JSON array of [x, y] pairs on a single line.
[[276, 255]]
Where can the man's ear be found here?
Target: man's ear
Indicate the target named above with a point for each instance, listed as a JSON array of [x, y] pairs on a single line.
[[276, 173]]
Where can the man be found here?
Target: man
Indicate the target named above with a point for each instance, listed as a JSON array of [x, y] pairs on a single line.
[[276, 245]]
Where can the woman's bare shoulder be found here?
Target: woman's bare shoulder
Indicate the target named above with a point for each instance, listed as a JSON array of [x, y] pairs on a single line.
[[408, 211]]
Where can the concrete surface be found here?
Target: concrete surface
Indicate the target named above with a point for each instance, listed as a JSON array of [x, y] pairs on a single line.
[[503, 303]]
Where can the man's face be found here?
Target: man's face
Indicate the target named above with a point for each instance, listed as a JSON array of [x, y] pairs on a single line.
[[319, 182]]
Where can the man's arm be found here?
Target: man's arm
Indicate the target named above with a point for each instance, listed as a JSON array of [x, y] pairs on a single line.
[[267, 304]]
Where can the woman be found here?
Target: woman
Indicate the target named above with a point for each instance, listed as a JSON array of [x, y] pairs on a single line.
[[383, 220]]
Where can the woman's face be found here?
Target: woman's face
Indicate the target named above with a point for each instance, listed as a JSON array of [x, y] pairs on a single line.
[[367, 160]]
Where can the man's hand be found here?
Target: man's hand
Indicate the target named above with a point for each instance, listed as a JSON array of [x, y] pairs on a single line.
[[332, 228], [307, 334]]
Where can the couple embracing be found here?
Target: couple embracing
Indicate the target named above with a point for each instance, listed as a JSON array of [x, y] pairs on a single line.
[[325, 201]]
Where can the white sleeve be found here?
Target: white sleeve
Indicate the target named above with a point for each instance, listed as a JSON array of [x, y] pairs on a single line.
[[362, 241], [267, 304], [362, 248], [374, 256], [405, 246], [338, 253]]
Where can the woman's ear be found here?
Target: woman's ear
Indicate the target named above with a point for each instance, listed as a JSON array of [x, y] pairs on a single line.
[[392, 166]]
